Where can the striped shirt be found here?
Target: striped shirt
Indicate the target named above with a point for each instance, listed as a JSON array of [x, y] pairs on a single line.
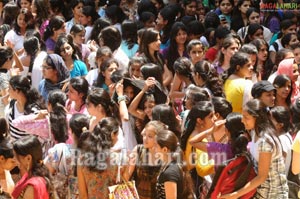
[[13, 113]]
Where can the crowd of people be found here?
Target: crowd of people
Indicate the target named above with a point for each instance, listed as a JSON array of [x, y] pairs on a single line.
[[155, 90]]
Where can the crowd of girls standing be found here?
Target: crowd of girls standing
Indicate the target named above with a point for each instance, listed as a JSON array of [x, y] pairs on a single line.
[[160, 85]]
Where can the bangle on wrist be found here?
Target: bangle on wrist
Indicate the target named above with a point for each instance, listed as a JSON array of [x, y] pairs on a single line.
[[121, 98]]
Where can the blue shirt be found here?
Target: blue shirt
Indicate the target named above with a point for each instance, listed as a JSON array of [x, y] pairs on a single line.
[[129, 52], [79, 69]]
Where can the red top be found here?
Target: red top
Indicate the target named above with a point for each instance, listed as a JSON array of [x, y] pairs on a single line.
[[38, 183], [211, 54]]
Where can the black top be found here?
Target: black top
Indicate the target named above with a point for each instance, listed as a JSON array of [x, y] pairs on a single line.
[[170, 173]]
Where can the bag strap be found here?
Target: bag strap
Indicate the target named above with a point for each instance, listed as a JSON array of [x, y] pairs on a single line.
[[118, 179], [59, 163]]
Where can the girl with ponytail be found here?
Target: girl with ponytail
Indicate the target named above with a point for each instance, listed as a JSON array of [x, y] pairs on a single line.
[[34, 57], [99, 105], [95, 170]]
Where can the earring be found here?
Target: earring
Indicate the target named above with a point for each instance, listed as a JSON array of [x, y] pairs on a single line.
[[27, 168]]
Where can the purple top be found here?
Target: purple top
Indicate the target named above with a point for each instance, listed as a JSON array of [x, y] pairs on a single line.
[[274, 24], [218, 67], [50, 44], [219, 152]]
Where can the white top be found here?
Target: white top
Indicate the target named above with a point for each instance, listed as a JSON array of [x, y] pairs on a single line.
[[36, 74], [272, 48], [92, 76], [92, 60], [272, 77], [122, 59], [129, 136], [204, 41], [69, 25], [286, 141], [16, 40], [4, 82], [88, 31]]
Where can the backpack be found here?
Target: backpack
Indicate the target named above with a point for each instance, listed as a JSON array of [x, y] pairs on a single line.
[[232, 175]]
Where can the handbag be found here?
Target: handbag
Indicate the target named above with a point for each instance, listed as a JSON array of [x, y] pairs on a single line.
[[60, 182], [125, 190]]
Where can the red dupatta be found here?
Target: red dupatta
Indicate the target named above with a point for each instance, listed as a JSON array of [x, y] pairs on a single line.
[[38, 183]]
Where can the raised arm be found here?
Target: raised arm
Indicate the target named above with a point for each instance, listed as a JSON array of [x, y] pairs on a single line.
[[122, 102], [133, 108]]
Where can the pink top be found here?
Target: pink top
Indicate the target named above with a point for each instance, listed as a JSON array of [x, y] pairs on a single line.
[[38, 127], [70, 105], [43, 28]]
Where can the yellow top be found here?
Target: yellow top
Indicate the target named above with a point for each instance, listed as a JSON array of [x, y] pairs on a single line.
[[296, 143], [238, 92], [199, 159]]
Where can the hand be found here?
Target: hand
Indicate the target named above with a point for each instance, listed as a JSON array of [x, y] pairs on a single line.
[[14, 71], [41, 115], [149, 83], [68, 105], [178, 118], [218, 124], [92, 45], [111, 89], [119, 88], [5, 99], [9, 44], [134, 77], [228, 196]]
